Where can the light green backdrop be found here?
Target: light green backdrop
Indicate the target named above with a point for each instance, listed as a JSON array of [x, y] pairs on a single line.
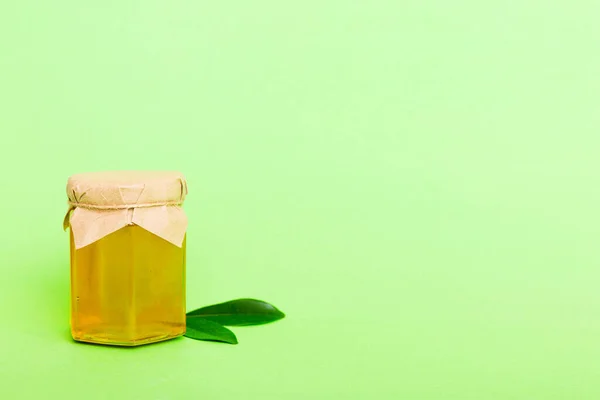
[[415, 183]]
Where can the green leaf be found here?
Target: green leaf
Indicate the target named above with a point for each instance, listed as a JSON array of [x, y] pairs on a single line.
[[238, 313], [203, 329]]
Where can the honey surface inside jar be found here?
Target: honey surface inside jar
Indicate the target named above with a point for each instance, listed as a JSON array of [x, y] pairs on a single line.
[[127, 288]]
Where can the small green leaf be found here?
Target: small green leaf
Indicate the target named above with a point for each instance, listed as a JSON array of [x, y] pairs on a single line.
[[238, 313], [203, 329]]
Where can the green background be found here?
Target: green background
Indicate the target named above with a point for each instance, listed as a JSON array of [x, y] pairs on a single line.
[[415, 183]]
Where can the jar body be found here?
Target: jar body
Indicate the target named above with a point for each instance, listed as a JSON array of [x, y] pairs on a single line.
[[127, 288]]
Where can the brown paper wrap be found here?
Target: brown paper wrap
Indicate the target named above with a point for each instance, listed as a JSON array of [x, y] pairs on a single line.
[[103, 202]]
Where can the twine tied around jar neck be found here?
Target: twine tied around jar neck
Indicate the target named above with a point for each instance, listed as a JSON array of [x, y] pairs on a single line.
[[74, 204]]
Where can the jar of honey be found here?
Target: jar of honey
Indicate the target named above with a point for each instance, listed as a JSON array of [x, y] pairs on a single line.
[[128, 236]]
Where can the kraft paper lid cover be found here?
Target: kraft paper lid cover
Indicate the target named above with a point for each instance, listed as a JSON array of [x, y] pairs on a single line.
[[103, 202]]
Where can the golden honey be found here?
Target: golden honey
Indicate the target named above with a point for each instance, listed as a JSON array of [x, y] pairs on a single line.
[[128, 288]]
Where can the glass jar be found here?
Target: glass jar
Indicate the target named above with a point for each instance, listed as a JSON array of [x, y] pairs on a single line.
[[128, 234]]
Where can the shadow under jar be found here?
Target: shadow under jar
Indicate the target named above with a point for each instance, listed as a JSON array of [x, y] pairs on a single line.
[[128, 237]]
